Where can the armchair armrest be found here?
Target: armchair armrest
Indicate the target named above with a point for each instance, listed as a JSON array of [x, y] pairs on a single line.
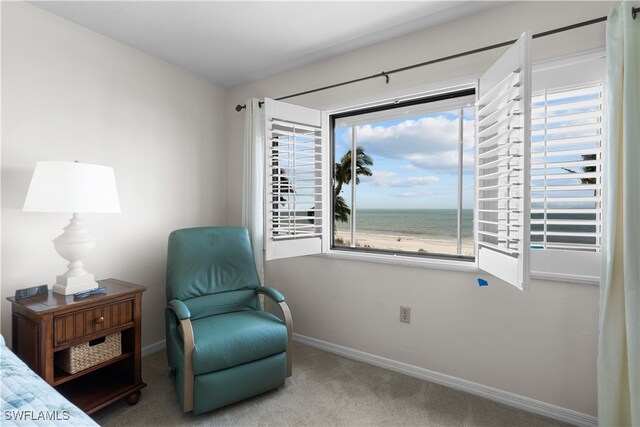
[[184, 316], [271, 293], [278, 298], [180, 309]]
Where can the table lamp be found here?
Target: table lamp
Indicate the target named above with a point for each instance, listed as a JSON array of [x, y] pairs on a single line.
[[74, 188]]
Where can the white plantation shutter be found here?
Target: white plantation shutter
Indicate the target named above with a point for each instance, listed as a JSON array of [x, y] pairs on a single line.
[[503, 112], [294, 190], [566, 177]]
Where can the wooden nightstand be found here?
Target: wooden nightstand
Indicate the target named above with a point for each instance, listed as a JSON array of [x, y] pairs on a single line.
[[46, 324]]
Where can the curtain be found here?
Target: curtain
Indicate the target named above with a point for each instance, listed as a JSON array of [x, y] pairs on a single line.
[[253, 180], [619, 338]]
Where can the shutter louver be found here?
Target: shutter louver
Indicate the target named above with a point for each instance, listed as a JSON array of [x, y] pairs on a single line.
[[502, 166], [566, 179], [294, 184]]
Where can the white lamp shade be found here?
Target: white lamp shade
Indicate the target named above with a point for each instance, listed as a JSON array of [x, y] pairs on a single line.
[[72, 187]]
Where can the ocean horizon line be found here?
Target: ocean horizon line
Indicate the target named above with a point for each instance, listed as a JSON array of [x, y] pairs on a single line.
[[412, 209]]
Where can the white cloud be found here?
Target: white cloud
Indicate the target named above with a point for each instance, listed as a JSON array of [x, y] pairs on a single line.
[[429, 143], [443, 162], [382, 178]]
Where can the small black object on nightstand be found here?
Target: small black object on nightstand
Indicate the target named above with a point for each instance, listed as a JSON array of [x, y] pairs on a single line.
[[31, 292], [94, 291]]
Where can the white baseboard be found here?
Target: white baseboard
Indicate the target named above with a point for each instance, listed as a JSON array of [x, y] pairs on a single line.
[[153, 348], [500, 396]]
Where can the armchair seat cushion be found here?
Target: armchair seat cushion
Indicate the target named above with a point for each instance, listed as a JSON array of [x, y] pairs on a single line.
[[233, 339]]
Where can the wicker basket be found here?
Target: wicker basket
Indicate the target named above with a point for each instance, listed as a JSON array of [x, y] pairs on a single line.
[[91, 353]]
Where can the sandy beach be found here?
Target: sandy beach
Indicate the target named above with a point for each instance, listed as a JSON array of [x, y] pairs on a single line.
[[404, 243]]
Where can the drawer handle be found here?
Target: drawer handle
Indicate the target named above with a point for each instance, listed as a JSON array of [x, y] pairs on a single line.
[[100, 320]]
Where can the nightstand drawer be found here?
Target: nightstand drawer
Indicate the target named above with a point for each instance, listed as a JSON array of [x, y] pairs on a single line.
[[85, 323]]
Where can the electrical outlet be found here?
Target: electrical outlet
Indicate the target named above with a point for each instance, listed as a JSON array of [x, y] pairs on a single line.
[[405, 314]]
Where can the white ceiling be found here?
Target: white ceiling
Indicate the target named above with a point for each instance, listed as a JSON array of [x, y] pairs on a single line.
[[233, 42]]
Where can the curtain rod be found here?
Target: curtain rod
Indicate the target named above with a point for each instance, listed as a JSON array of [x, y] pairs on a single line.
[[386, 74]]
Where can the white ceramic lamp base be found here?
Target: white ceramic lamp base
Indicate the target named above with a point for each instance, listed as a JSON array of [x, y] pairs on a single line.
[[72, 285], [74, 245]]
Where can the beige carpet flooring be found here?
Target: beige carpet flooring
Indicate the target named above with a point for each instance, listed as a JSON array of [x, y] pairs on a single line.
[[325, 390]]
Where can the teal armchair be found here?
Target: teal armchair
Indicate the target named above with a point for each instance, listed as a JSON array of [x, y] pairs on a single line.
[[221, 346]]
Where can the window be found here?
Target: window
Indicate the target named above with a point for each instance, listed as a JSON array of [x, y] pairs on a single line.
[[297, 178], [414, 192], [403, 175], [514, 182], [566, 176]]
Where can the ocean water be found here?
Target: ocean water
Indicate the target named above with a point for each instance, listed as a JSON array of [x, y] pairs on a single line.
[[432, 223], [441, 224]]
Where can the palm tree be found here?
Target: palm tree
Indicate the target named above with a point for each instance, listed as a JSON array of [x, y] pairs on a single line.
[[341, 211], [343, 177], [586, 169]]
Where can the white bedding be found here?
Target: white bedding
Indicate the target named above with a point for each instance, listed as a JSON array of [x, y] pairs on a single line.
[[27, 400]]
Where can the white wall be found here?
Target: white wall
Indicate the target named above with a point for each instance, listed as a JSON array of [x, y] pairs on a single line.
[[69, 93], [539, 344]]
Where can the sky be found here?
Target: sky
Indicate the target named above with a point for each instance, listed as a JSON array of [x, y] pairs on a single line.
[[415, 161]]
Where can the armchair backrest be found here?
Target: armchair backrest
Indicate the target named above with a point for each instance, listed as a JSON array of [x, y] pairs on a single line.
[[212, 266]]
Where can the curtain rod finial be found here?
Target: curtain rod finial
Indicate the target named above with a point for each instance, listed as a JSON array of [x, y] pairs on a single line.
[[240, 107]]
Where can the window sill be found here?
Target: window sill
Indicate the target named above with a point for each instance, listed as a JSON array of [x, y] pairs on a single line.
[[406, 261], [450, 265]]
